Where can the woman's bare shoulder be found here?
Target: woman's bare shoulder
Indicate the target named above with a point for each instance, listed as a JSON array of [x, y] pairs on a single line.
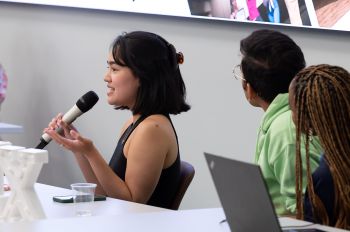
[[154, 124], [156, 121]]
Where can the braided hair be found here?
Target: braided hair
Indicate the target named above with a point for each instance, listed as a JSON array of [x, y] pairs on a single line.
[[322, 103]]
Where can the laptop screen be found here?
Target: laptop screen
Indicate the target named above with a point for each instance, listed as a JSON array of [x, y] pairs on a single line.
[[243, 195]]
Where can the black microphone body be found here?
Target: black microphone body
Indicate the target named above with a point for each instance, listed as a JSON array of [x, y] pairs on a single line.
[[84, 104]]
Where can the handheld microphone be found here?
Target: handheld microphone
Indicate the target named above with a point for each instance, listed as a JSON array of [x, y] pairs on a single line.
[[84, 104]]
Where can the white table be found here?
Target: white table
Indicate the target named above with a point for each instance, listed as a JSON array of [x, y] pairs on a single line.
[[184, 220], [63, 210], [6, 128], [118, 215]]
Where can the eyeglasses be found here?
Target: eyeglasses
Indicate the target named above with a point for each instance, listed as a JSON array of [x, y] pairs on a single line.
[[237, 73]]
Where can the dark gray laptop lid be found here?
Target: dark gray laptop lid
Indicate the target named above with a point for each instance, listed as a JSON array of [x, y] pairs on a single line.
[[243, 195]]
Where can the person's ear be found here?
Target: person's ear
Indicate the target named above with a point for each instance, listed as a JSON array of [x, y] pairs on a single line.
[[251, 94]]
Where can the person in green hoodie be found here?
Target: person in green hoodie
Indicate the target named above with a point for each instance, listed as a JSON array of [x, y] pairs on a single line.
[[270, 60]]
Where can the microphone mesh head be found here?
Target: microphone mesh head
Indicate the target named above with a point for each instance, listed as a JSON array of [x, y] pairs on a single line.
[[87, 101]]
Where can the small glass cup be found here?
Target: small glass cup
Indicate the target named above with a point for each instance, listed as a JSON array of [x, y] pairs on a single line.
[[83, 197]]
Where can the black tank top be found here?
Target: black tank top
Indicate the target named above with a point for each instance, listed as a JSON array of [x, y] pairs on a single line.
[[169, 180]]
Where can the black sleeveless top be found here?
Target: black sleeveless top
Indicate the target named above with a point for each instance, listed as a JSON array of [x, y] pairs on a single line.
[[169, 180]]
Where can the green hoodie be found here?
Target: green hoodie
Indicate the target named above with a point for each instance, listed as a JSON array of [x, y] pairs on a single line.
[[275, 153]]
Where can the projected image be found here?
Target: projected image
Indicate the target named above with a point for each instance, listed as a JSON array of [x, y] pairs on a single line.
[[327, 14], [330, 14], [161, 7], [333, 13], [272, 11]]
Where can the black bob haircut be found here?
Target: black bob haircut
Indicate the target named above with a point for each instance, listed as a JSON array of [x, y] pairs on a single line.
[[154, 62], [270, 61]]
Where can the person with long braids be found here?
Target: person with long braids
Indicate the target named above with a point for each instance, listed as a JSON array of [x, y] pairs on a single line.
[[320, 102]]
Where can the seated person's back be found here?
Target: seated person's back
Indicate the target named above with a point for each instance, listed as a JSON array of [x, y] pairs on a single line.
[[320, 100]]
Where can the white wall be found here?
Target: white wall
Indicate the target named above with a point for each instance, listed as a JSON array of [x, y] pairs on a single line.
[[54, 55]]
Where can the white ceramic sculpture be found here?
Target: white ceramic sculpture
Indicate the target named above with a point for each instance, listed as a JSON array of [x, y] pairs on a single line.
[[2, 143], [22, 167]]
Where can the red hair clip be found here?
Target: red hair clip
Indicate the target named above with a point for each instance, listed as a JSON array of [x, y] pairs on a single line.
[[180, 57]]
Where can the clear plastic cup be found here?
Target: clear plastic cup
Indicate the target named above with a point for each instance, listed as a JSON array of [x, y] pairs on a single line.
[[83, 197], [1, 181]]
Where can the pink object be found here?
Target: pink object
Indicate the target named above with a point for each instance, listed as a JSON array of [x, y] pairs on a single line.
[[3, 84], [253, 11]]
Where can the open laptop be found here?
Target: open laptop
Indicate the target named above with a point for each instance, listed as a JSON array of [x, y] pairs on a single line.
[[243, 195]]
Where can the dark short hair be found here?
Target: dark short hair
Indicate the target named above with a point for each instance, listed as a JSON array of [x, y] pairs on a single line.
[[154, 62], [270, 61]]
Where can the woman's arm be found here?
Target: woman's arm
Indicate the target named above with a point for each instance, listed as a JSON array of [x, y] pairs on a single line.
[[88, 173], [146, 154], [82, 161], [146, 151]]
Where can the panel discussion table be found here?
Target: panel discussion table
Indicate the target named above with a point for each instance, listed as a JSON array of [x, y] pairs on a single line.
[[119, 215]]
